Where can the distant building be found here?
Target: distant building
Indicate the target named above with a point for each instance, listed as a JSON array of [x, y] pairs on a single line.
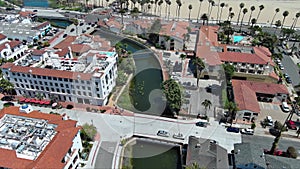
[[24, 31], [206, 153], [248, 93], [31, 139], [172, 35]]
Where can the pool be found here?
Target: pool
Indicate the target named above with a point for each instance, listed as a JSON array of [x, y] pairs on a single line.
[[237, 39]]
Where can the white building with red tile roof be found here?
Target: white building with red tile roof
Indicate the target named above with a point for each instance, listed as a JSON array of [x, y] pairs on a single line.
[[247, 93], [86, 79], [38, 140], [245, 59], [12, 49]]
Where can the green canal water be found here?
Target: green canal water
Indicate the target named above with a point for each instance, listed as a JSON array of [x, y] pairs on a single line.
[[154, 155], [146, 97]]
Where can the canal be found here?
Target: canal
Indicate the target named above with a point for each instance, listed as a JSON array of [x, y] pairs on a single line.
[[146, 83], [152, 154]]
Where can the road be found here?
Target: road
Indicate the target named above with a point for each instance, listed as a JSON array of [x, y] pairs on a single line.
[[291, 69], [266, 142]]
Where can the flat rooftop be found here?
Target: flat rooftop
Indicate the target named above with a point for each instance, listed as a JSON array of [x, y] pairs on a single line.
[[27, 136]]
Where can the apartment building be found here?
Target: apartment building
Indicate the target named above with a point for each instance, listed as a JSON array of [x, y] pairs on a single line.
[[246, 59], [12, 49], [31, 139], [87, 79]]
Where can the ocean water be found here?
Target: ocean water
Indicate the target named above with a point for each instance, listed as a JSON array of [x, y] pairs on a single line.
[[36, 3]]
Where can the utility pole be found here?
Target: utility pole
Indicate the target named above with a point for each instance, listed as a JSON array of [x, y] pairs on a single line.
[[277, 138]]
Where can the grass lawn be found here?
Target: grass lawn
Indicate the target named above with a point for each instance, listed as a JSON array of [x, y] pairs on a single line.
[[224, 97], [124, 100]]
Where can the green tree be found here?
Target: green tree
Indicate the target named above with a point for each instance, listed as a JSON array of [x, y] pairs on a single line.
[[232, 109], [190, 10], [193, 166], [291, 152], [229, 12], [276, 11], [252, 8], [198, 62], [229, 71], [284, 14], [88, 132], [173, 95], [277, 24], [295, 20], [253, 21], [261, 7], [159, 4], [228, 30], [121, 79], [204, 18], [199, 9], [242, 5], [7, 86], [182, 57], [253, 126], [207, 104]]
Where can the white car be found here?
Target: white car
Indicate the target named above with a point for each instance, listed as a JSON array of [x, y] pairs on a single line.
[[178, 136], [247, 131], [163, 133], [285, 107]]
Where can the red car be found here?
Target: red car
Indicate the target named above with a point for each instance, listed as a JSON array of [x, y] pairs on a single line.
[[291, 125]]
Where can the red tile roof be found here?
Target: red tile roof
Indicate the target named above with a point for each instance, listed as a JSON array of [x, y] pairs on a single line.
[[14, 43], [65, 43], [241, 58], [245, 93], [63, 52], [54, 152], [2, 36], [80, 48], [175, 29], [41, 25], [38, 52], [47, 72], [26, 13]]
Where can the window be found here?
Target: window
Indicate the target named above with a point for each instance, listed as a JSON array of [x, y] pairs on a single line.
[[47, 88], [83, 87], [90, 94], [79, 93], [17, 84], [84, 93], [89, 88], [34, 76], [61, 85], [65, 80], [23, 75], [46, 83], [41, 83], [63, 90], [54, 78], [25, 80], [59, 79], [27, 86], [51, 84], [44, 77], [49, 78], [38, 76], [57, 89], [42, 88], [87, 82]]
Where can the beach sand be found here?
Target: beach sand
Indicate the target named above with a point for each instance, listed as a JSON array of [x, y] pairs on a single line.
[[293, 6]]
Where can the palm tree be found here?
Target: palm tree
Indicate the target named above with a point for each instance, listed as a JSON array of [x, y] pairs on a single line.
[[222, 6], [211, 8], [169, 3], [199, 9], [155, 2], [252, 8], [166, 8], [229, 12], [245, 10], [159, 4], [232, 108], [241, 7], [198, 62], [284, 14], [295, 20], [206, 103], [179, 7], [218, 12], [276, 11], [253, 21], [190, 10], [193, 166], [277, 24], [209, 1], [231, 16], [261, 7], [204, 18]]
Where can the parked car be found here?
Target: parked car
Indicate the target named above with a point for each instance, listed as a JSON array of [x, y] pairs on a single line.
[[247, 131], [286, 75], [269, 121], [201, 124], [163, 133], [291, 125], [178, 136], [281, 67], [288, 80], [285, 107], [233, 129]]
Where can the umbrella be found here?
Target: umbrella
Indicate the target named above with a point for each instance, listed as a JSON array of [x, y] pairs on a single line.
[[54, 104]]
